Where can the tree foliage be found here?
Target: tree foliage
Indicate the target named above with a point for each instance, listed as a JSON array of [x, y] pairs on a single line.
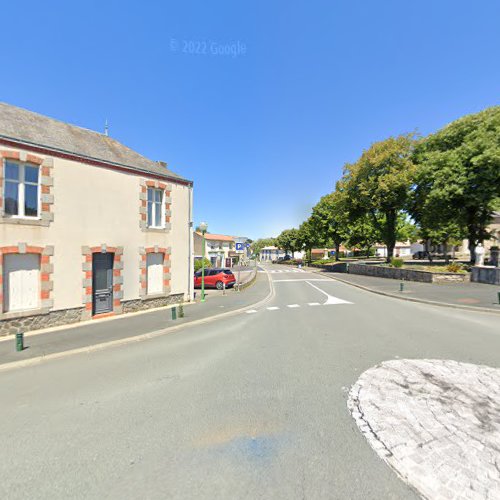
[[257, 245], [329, 220], [458, 182], [379, 185], [198, 264], [289, 240]]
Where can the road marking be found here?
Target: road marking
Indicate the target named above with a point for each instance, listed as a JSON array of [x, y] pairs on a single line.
[[251, 311], [331, 300], [293, 305], [272, 308], [284, 271], [313, 304], [300, 279]]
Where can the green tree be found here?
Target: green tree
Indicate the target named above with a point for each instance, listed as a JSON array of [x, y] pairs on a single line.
[[329, 221], [458, 183], [379, 185], [289, 241], [362, 234], [308, 237], [257, 245], [198, 264]]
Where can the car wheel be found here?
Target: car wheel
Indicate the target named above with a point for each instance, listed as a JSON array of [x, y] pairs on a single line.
[[219, 285]]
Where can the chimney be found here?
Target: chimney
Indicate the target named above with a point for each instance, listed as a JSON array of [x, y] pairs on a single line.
[[162, 163]]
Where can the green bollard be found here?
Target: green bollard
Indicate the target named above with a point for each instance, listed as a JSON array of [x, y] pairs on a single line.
[[19, 341], [401, 287], [174, 313], [181, 311]]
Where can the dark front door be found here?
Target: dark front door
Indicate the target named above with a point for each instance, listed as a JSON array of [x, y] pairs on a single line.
[[102, 282]]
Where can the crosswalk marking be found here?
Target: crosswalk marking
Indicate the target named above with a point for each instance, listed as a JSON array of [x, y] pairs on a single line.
[[302, 279], [272, 271], [330, 301]]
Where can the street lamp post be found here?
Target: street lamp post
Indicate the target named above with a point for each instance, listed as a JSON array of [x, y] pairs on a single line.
[[203, 228]]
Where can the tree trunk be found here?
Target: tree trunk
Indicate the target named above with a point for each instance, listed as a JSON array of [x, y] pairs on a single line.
[[472, 250], [472, 235], [337, 250], [446, 256], [390, 242]]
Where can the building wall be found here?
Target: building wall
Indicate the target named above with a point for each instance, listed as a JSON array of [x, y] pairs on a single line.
[[93, 206]]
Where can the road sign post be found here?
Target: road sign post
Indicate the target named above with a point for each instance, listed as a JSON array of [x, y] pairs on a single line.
[[240, 248]]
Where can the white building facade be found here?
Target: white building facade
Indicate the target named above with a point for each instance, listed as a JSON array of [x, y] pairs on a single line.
[[88, 227]]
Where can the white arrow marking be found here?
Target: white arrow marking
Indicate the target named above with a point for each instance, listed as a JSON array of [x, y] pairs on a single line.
[[331, 300]]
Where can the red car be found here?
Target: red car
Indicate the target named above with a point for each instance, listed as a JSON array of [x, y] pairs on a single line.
[[215, 278]]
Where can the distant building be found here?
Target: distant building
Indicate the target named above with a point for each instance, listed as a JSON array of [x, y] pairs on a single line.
[[402, 249], [494, 228], [219, 249], [270, 253]]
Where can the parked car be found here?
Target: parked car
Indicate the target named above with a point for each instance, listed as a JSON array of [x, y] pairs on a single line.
[[421, 254], [215, 278]]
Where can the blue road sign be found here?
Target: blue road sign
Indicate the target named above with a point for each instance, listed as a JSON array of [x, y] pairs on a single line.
[[239, 247]]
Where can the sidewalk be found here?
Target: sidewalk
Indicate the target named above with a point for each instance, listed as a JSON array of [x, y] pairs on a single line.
[[464, 295], [92, 333]]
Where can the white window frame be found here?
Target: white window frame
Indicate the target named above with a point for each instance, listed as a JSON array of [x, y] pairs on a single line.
[[154, 207], [21, 189]]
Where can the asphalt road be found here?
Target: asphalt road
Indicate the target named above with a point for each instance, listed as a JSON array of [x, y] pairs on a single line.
[[252, 406]]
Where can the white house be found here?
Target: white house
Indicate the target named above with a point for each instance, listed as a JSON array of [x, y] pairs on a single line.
[[88, 227]]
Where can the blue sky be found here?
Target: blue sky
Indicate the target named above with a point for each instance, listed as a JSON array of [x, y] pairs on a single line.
[[263, 131]]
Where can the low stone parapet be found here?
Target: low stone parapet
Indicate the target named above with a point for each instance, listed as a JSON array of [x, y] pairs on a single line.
[[486, 274], [407, 274]]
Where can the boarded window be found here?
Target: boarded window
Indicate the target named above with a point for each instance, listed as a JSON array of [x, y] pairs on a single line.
[[154, 273], [21, 282]]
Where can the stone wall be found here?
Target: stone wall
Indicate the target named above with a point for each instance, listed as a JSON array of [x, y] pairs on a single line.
[[151, 303], [489, 275], [67, 316], [407, 274], [40, 321]]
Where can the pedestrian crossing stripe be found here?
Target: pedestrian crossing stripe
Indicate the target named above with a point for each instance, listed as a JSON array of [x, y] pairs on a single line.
[[273, 271], [330, 302]]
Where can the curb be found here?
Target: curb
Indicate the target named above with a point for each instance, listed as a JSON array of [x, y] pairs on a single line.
[[76, 324], [249, 282], [412, 299], [138, 338]]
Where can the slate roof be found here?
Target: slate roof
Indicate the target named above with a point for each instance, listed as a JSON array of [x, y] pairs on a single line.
[[32, 128]]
